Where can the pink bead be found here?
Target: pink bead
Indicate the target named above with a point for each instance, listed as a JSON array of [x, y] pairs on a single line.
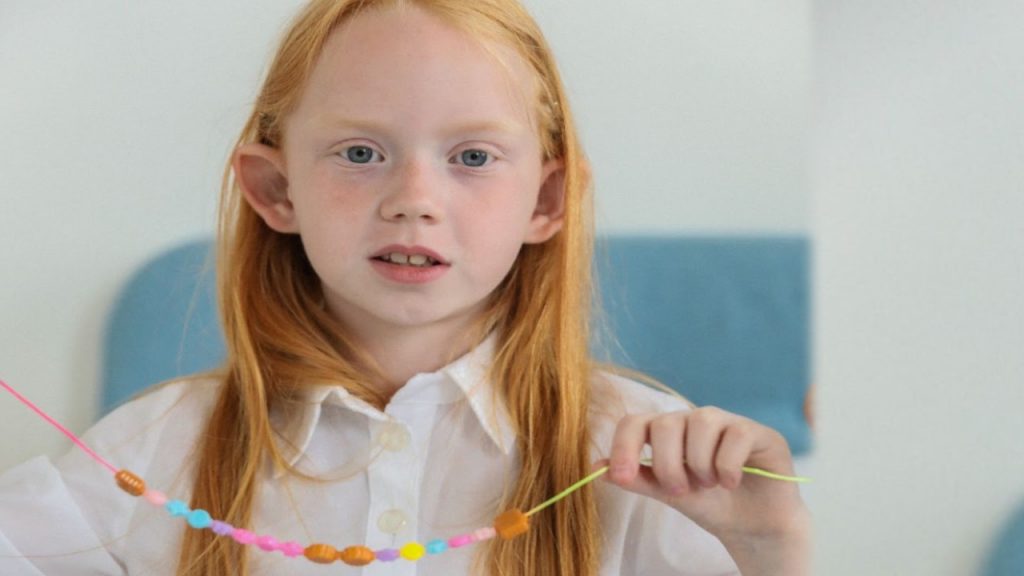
[[459, 541], [155, 497], [484, 534], [267, 543], [243, 536], [292, 549]]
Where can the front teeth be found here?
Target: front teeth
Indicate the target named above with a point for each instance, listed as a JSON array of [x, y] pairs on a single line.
[[420, 260]]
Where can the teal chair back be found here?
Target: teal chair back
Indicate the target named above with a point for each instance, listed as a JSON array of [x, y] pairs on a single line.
[[723, 320], [163, 324], [1006, 556]]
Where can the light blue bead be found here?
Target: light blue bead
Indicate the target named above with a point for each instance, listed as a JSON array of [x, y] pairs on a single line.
[[199, 519], [436, 546], [177, 508]]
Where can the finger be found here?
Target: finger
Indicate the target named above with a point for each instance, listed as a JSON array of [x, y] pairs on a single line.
[[704, 429], [666, 438], [627, 443], [734, 451], [644, 483]]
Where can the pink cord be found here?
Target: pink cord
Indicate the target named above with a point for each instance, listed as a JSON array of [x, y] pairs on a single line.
[[58, 426]]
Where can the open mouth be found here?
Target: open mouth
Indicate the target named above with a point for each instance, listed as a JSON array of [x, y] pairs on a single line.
[[413, 260]]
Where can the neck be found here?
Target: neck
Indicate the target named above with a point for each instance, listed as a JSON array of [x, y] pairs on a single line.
[[402, 352]]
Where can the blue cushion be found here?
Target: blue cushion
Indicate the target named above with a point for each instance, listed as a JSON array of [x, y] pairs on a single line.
[[722, 320], [164, 324]]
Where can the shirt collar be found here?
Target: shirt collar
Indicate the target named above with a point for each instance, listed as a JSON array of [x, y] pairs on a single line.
[[467, 377]]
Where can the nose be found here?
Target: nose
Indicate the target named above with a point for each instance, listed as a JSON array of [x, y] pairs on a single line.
[[416, 194]]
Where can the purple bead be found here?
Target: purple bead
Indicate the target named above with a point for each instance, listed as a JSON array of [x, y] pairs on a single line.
[[221, 528], [387, 555]]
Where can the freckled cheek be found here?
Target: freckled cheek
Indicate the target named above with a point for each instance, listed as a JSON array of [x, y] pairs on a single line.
[[332, 249], [333, 226]]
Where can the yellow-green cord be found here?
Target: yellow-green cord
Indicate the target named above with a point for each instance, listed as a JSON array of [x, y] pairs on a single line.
[[597, 474]]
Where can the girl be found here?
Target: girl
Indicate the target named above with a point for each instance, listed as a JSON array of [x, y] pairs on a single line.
[[404, 274]]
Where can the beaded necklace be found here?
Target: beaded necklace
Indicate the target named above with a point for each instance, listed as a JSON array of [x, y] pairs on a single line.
[[507, 525]]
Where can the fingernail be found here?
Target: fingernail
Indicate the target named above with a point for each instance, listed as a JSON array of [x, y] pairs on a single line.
[[619, 471]]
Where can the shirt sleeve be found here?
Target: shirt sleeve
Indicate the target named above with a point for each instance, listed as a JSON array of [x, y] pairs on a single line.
[[44, 530], [67, 516]]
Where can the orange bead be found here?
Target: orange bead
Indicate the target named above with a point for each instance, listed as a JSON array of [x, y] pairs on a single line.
[[321, 553], [130, 483], [511, 523], [357, 556]]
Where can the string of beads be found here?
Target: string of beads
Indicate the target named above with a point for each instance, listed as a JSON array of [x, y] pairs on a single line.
[[508, 525]]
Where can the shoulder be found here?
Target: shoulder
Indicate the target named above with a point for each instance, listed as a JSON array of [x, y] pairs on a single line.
[[160, 424], [616, 395]]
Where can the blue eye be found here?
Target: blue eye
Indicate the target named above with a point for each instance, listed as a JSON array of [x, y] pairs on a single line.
[[474, 158], [359, 154]]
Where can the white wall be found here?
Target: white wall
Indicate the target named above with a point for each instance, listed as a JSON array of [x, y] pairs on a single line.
[[117, 118], [919, 234]]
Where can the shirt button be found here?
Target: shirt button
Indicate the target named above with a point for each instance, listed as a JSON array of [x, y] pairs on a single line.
[[392, 521], [393, 437]]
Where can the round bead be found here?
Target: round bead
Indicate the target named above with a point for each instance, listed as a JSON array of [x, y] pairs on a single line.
[[321, 553], [292, 549], [177, 508], [221, 528], [155, 497], [243, 536], [387, 555], [357, 555], [130, 483], [436, 546], [267, 543], [199, 519], [483, 534], [412, 551], [460, 541]]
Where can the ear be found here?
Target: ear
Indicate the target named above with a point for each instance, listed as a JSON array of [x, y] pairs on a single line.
[[550, 211], [260, 173]]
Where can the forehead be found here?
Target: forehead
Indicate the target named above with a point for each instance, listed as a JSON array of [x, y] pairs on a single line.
[[404, 61]]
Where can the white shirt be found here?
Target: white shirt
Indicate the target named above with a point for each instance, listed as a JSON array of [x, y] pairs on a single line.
[[433, 464]]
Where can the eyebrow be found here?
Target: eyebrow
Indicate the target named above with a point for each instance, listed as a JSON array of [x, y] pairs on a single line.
[[472, 126]]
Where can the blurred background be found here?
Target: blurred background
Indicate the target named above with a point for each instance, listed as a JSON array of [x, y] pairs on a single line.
[[889, 133]]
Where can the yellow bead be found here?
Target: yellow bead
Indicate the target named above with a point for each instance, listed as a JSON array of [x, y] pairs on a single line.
[[412, 551]]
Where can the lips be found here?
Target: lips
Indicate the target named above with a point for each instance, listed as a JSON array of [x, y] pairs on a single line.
[[409, 265], [413, 256]]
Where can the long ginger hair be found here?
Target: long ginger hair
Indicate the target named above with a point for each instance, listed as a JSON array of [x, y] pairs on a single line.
[[279, 337]]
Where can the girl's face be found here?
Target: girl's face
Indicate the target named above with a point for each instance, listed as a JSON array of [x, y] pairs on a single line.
[[413, 172]]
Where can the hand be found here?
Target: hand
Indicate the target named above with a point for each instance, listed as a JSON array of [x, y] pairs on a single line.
[[697, 461]]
